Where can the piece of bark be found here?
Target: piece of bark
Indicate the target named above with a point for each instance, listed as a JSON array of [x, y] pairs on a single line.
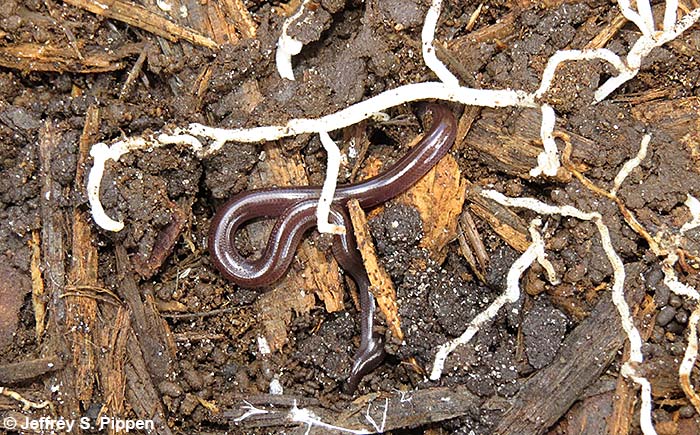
[[141, 393], [404, 409], [471, 246], [675, 117], [620, 422], [508, 225], [28, 370], [439, 198], [81, 310], [112, 335], [148, 265], [381, 285], [498, 31], [38, 290], [31, 56], [154, 335], [239, 14], [509, 141], [312, 270], [222, 20], [58, 337], [585, 354], [142, 18]]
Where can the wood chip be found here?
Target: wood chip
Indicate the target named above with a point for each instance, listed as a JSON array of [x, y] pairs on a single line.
[[507, 224], [138, 16], [439, 198], [38, 291], [52, 58], [381, 285]]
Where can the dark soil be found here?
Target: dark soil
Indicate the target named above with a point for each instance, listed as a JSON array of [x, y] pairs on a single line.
[[353, 50]]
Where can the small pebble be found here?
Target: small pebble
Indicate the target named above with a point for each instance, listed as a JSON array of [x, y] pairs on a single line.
[[682, 316], [171, 389], [675, 301], [686, 411], [675, 327], [194, 380], [665, 316], [189, 404]]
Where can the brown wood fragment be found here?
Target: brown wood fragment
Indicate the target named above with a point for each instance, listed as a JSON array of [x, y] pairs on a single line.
[[28, 370], [404, 409], [508, 225], [53, 253], [620, 422], [134, 73], [584, 356], [138, 16], [465, 125], [589, 416], [471, 246], [82, 311], [498, 31], [439, 198], [685, 382], [607, 33], [239, 13], [154, 336], [312, 270], [147, 266], [38, 292], [112, 336], [513, 152], [51, 58], [381, 285], [141, 393], [675, 117]]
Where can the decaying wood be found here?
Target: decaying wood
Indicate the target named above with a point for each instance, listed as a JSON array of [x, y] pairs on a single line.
[[471, 246], [53, 248], [507, 224], [81, 310], [678, 118], [588, 416], [311, 270], [51, 58], [149, 344], [439, 198], [38, 291], [154, 336], [28, 370], [239, 13], [583, 357], [607, 33], [147, 265], [141, 392], [404, 409], [138, 16], [623, 407], [498, 31], [115, 328], [381, 285]]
